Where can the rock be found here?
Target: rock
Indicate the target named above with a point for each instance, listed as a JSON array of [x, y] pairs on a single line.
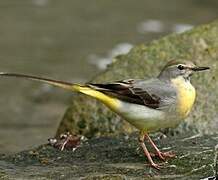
[[115, 158], [90, 118]]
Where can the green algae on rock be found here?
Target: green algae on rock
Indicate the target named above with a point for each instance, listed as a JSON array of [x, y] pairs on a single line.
[[88, 117]]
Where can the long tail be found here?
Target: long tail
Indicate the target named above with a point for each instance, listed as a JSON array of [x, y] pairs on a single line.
[[61, 84], [85, 89]]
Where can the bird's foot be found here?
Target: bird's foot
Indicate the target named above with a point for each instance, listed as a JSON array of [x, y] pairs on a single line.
[[168, 154], [156, 166], [163, 155]]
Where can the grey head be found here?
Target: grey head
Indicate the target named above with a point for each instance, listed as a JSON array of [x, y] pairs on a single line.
[[176, 68]]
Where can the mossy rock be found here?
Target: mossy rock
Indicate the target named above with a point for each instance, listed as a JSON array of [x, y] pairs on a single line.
[[88, 117], [115, 158]]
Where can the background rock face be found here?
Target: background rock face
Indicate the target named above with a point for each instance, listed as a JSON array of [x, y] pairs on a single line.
[[89, 117]]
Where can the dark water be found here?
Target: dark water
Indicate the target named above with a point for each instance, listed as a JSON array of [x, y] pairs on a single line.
[[73, 41]]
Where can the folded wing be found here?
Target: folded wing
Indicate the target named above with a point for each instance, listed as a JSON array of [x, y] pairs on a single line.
[[152, 93]]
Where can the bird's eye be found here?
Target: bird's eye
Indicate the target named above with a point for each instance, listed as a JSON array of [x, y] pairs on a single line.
[[180, 67]]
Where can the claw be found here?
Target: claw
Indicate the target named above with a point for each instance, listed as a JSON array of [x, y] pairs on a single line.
[[168, 154], [163, 155], [156, 166]]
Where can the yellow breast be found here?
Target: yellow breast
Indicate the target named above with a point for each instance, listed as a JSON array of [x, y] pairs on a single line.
[[186, 96]]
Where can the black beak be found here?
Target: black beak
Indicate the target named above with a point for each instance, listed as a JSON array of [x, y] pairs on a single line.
[[199, 68]]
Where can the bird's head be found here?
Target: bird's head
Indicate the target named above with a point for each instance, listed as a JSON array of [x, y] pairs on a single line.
[[179, 68]]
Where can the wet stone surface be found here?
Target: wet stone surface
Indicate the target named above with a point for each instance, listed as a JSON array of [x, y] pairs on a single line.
[[115, 158]]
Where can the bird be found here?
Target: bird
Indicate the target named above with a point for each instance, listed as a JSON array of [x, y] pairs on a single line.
[[147, 104]]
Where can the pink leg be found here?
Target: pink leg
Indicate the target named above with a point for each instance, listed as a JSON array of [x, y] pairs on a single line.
[[141, 142], [161, 155]]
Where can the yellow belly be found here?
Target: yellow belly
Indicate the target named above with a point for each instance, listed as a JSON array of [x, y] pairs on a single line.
[[186, 96]]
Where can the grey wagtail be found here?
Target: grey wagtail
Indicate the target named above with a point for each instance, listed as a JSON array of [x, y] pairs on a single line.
[[149, 105]]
